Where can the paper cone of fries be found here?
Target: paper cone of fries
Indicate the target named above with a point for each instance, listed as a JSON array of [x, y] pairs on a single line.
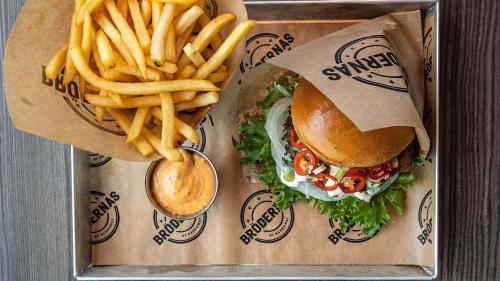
[[122, 56]]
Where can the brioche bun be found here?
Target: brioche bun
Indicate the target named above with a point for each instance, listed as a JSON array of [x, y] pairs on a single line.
[[335, 139]]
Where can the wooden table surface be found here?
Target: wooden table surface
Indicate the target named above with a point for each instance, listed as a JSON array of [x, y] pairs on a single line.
[[34, 173]]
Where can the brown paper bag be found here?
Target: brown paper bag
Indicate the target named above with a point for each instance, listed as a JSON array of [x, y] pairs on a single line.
[[47, 108], [128, 231]]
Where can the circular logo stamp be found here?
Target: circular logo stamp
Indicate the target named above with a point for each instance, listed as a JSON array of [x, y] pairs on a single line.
[[264, 46], [262, 221], [354, 234], [96, 160], [105, 216], [425, 216], [205, 125], [211, 8], [177, 231], [428, 48], [369, 60]]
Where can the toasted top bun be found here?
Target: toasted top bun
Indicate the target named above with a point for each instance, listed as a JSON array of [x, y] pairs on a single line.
[[334, 138]]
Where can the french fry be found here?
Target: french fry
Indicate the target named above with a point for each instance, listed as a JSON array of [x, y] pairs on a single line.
[[99, 110], [168, 126], [217, 77], [181, 41], [199, 101], [222, 68], [173, 155], [56, 62], [186, 19], [139, 25], [160, 33], [152, 74], [186, 72], [75, 39], [115, 37], [137, 123], [207, 53], [87, 38], [146, 11], [187, 131], [88, 7], [225, 49], [105, 50], [156, 8], [180, 2], [122, 6], [195, 57], [127, 34], [135, 102], [183, 96], [170, 51], [115, 97], [167, 67], [122, 120], [216, 41]]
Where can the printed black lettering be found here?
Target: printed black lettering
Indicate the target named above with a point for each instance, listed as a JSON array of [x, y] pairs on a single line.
[[288, 37], [425, 233], [245, 239], [175, 223], [272, 211], [358, 66], [339, 233], [73, 90], [372, 62], [110, 202], [114, 195], [163, 234], [284, 44], [250, 233], [256, 228], [270, 55], [383, 59], [158, 239], [277, 49], [97, 213], [93, 220], [332, 237], [266, 217], [344, 69], [429, 225], [262, 222], [330, 72], [393, 58], [169, 228], [59, 85], [103, 207], [422, 239], [44, 78]]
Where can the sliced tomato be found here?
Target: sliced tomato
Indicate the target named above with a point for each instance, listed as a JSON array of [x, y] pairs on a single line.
[[321, 181], [360, 171], [304, 162], [380, 171], [295, 141], [353, 181]]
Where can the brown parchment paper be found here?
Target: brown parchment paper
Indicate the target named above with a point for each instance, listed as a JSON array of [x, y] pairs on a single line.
[[243, 227], [47, 108]]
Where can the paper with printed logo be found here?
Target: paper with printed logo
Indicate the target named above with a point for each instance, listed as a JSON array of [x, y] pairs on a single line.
[[243, 226], [49, 109]]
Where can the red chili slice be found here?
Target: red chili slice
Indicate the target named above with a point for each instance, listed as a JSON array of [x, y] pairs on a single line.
[[304, 162], [355, 180], [321, 179], [380, 171], [295, 141]]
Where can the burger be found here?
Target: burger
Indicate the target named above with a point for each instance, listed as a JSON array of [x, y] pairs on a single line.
[[304, 148]]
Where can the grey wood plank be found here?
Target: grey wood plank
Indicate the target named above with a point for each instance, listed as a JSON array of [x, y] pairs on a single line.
[[34, 194]]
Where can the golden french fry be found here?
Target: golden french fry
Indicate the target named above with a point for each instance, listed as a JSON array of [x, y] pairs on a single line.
[[222, 68], [217, 77], [115, 37], [127, 34], [151, 73], [167, 67], [199, 101], [180, 2], [56, 62], [181, 41], [160, 33], [75, 39], [187, 131], [137, 124], [139, 25], [173, 155], [186, 72], [122, 120], [143, 88], [195, 57], [216, 40], [156, 8], [170, 51], [115, 97], [105, 50], [225, 49], [88, 7], [157, 121], [183, 96], [99, 110], [122, 6], [207, 53], [168, 127], [146, 11], [186, 19], [87, 39], [135, 102]]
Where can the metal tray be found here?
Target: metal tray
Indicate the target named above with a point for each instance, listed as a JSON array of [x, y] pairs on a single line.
[[262, 10]]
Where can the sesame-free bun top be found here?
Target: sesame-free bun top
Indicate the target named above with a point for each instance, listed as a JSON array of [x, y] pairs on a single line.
[[335, 139]]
